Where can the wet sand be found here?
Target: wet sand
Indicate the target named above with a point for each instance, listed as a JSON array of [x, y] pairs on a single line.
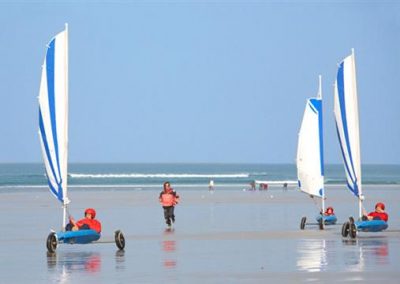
[[228, 236]]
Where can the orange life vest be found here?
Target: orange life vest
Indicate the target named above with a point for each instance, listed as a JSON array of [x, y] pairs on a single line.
[[169, 198]]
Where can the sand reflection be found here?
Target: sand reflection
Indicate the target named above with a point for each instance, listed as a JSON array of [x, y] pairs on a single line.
[[120, 260], [312, 255], [74, 261], [366, 251], [63, 264], [169, 248]]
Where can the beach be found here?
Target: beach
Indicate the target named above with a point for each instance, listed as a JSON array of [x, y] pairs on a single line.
[[230, 235]]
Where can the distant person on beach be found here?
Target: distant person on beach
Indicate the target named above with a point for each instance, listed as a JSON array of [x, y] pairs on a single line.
[[329, 211], [87, 223], [378, 214], [168, 199], [253, 185], [211, 185]]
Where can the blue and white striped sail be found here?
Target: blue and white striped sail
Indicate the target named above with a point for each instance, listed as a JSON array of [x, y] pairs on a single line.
[[347, 123], [53, 115], [310, 149]]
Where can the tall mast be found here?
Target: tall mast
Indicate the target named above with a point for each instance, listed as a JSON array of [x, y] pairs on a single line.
[[66, 200], [319, 96], [359, 184]]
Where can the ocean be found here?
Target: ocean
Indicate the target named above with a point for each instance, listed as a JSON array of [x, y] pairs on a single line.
[[181, 175]]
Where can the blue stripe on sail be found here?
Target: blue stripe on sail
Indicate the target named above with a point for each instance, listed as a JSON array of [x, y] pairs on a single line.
[[50, 66], [59, 193], [311, 105], [354, 190], [321, 139], [342, 103], [317, 106]]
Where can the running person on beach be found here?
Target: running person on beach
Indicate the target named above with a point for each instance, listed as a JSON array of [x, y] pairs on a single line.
[[168, 199]]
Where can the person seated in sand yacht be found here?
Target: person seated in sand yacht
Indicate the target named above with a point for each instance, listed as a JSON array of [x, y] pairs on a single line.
[[378, 214], [329, 211], [87, 223]]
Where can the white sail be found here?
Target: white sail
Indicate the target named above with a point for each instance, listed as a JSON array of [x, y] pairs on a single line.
[[53, 115], [347, 123], [310, 153]]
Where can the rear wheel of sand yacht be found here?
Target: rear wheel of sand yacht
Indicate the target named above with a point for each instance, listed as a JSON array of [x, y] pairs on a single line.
[[345, 229], [353, 231], [119, 240], [303, 223], [51, 242]]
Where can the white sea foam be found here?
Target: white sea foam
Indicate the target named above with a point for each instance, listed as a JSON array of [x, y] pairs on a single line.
[[161, 175]]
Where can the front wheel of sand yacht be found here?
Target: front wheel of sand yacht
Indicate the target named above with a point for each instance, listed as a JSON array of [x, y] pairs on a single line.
[[353, 231], [51, 242], [303, 223], [345, 229]]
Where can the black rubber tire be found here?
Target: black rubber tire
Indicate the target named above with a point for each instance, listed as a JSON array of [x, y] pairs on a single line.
[[345, 229], [119, 240], [353, 231], [321, 223], [303, 223], [51, 242]]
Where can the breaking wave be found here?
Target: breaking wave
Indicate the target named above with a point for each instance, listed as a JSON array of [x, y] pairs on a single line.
[[161, 175]]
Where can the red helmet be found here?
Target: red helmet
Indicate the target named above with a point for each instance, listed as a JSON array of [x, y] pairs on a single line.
[[381, 205], [90, 211], [329, 209]]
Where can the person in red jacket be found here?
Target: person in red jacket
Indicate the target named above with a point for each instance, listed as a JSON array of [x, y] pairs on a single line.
[[168, 199], [87, 223], [378, 214]]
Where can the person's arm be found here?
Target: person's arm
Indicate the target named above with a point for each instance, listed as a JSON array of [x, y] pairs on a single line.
[[96, 225], [370, 216], [71, 220], [177, 198]]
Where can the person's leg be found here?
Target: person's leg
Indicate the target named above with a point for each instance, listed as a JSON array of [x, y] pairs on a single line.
[[68, 227], [172, 214], [166, 215], [84, 227]]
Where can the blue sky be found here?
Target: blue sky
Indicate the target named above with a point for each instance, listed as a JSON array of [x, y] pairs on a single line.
[[199, 81]]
